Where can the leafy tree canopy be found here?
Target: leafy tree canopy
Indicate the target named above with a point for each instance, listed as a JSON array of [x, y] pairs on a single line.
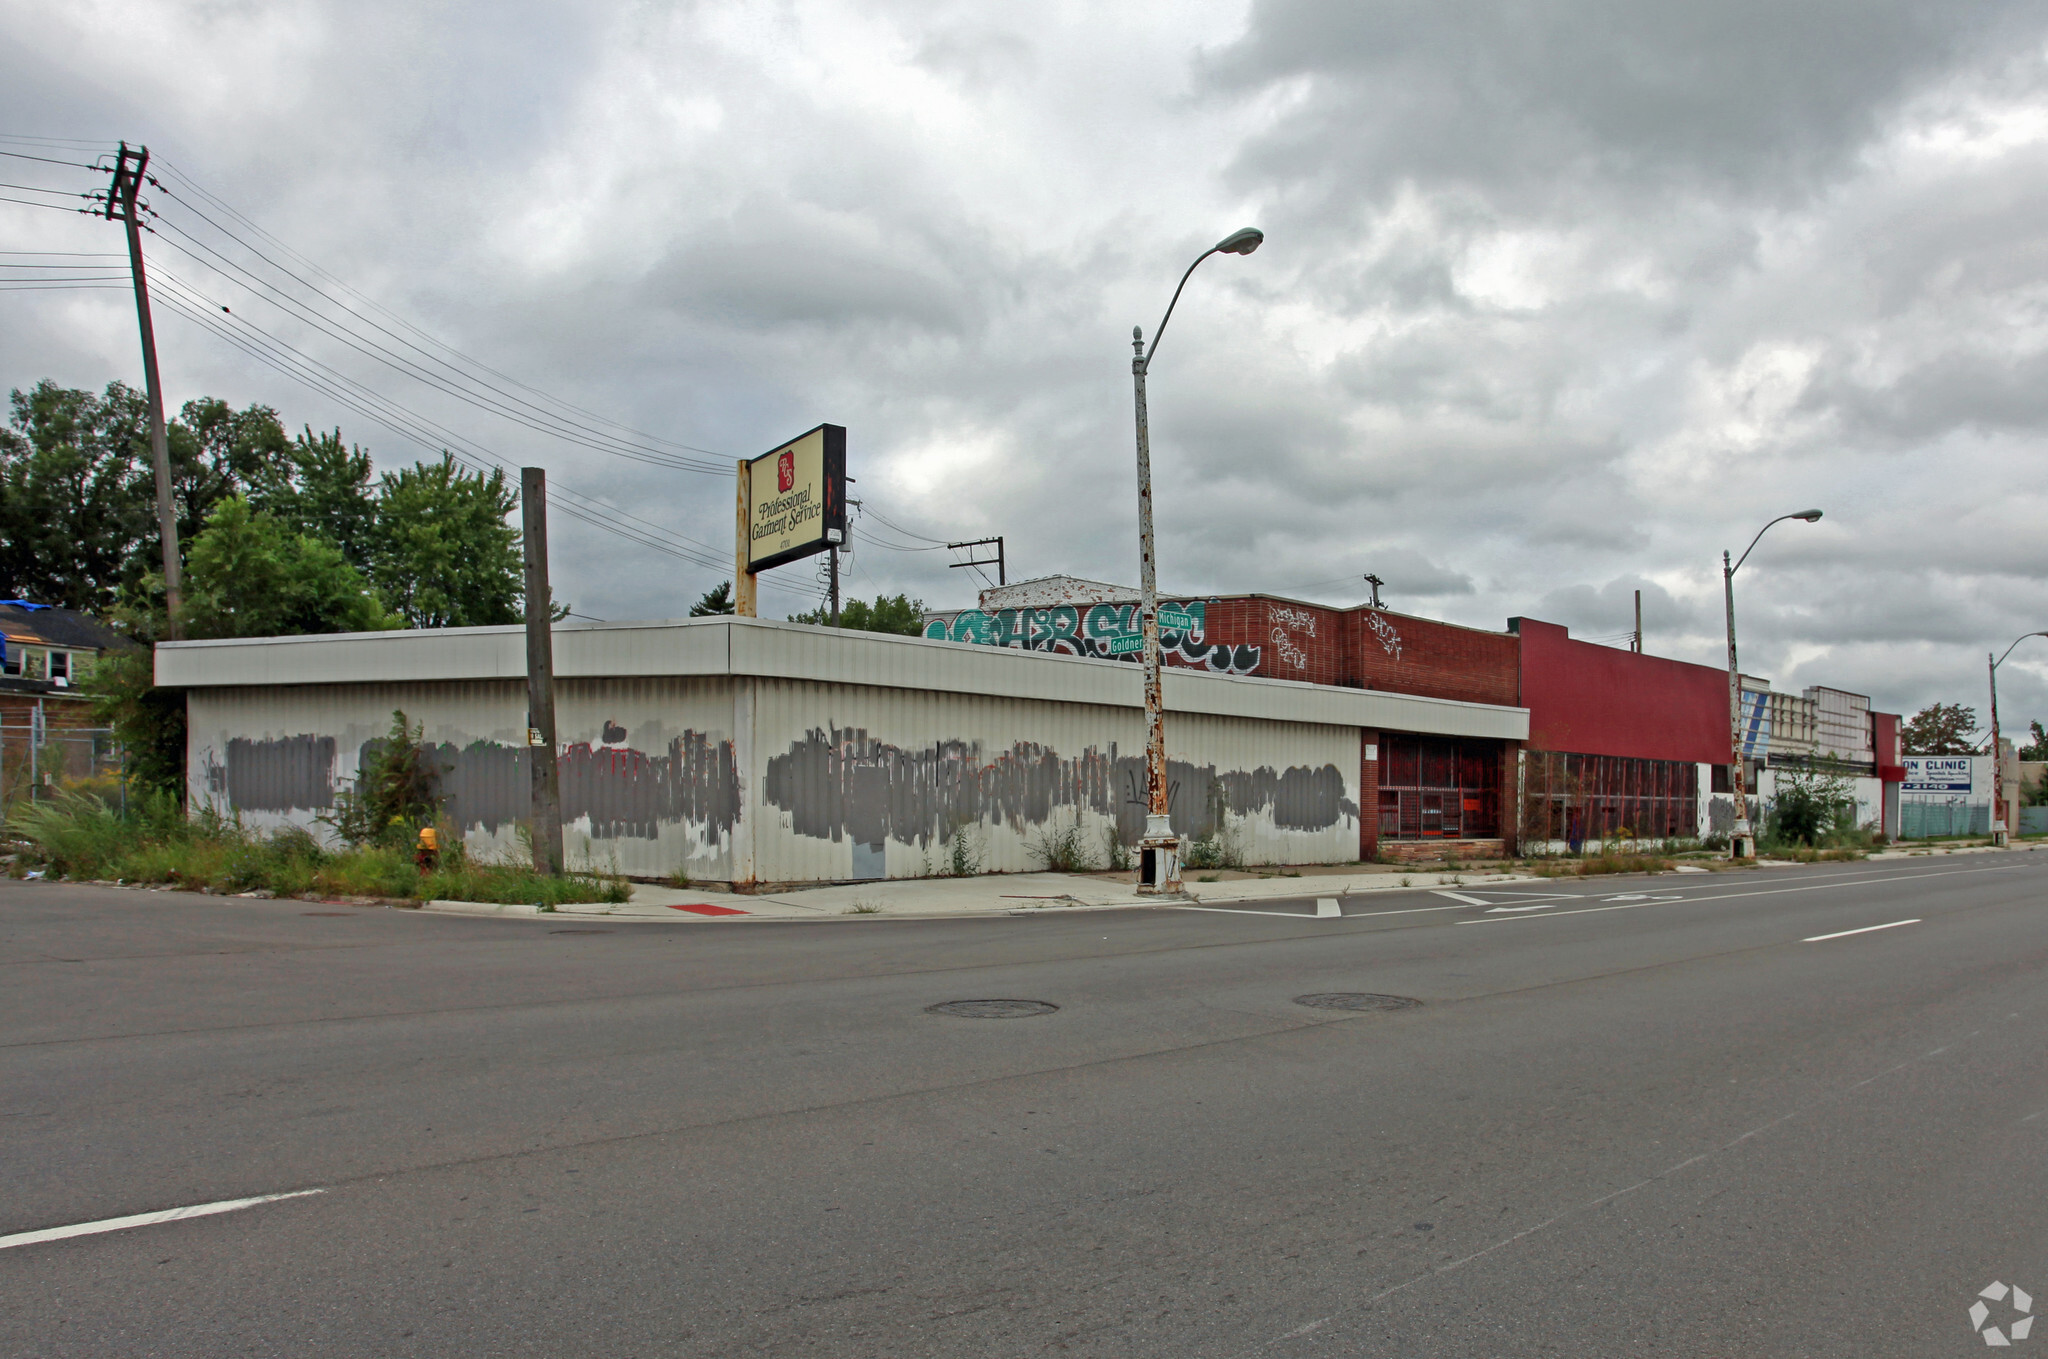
[[442, 553], [1941, 729], [247, 575], [899, 614], [716, 600], [2037, 747]]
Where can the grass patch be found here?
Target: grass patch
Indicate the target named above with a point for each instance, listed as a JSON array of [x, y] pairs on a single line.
[[78, 836], [1807, 854], [1599, 864]]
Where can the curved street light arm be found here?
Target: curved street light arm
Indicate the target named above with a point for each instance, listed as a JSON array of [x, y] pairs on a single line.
[[1154, 348], [2015, 642], [1754, 541]]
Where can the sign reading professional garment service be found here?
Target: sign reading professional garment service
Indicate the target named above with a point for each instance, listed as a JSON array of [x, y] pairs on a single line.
[[797, 498]]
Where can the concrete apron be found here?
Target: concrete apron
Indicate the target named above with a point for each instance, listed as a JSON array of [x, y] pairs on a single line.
[[994, 895]]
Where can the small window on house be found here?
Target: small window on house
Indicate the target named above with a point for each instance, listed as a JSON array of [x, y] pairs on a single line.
[[60, 666], [12, 664], [34, 664], [1720, 779]]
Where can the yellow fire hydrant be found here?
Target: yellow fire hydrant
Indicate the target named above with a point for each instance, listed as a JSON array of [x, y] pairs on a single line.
[[428, 852]]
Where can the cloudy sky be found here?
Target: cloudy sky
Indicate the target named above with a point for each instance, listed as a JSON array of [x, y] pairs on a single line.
[[1557, 301]]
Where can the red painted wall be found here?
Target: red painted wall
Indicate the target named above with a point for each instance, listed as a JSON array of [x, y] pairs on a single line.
[[1596, 700], [1369, 648]]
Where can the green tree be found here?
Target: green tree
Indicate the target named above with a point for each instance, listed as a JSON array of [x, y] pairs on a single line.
[[2037, 747], [217, 452], [899, 614], [443, 555], [76, 495], [321, 487], [78, 486], [716, 600], [247, 576], [148, 722], [1941, 729]]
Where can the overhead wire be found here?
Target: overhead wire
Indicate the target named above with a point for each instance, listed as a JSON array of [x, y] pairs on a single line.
[[180, 296], [451, 378], [313, 266]]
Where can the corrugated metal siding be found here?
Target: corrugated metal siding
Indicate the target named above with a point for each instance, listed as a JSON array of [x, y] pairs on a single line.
[[858, 781], [649, 783], [722, 646]]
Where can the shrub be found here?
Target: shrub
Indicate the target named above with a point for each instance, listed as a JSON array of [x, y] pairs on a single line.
[[1064, 850]]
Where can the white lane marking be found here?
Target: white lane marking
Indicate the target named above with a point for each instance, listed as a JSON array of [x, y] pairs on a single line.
[[1855, 881], [122, 1224], [1232, 910], [1844, 934], [1326, 908], [1469, 901], [1511, 910]]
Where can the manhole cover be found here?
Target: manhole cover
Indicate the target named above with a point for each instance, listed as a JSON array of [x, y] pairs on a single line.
[[1355, 1000], [579, 931], [992, 1009], [326, 912]]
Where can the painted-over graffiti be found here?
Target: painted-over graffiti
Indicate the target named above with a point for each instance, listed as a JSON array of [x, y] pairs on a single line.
[[1104, 631], [839, 783]]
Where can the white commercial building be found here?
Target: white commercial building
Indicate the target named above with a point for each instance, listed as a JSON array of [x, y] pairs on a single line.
[[751, 752]]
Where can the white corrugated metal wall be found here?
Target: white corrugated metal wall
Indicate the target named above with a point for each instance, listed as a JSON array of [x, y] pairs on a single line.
[[649, 779], [864, 782]]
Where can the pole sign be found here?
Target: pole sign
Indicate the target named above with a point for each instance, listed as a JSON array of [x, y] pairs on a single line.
[[797, 505], [1939, 774], [1175, 620]]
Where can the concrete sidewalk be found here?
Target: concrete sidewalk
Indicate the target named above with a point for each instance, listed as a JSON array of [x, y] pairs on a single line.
[[990, 895]]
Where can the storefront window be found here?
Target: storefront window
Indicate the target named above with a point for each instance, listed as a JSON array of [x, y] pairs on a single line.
[[1433, 787]]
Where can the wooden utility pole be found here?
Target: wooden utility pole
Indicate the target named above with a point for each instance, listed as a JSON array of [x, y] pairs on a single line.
[[833, 553], [129, 169], [1639, 622], [540, 676]]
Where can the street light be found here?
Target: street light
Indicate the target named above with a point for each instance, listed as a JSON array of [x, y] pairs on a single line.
[[1159, 851], [1742, 842], [1999, 830]]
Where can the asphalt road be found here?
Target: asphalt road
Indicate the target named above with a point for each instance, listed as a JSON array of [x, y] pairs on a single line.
[[1631, 1116]]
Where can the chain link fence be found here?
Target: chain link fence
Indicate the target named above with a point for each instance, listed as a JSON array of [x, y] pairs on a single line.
[[38, 760]]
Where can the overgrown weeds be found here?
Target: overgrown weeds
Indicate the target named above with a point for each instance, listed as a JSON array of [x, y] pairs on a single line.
[[1598, 864], [78, 836], [1064, 849]]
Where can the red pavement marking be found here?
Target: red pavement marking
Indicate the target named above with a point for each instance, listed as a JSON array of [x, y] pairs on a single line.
[[708, 910]]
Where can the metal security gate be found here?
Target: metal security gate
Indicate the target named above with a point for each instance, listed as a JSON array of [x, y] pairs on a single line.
[[1924, 820]]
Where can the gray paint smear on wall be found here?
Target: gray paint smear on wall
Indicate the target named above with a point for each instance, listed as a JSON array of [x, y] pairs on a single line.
[[845, 786], [624, 792], [484, 785], [286, 774]]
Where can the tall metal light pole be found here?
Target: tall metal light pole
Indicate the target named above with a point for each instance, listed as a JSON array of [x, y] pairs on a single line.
[[1742, 842], [1159, 851], [1999, 830]]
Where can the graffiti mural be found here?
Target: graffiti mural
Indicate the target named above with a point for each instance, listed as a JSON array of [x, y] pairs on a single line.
[[1103, 631]]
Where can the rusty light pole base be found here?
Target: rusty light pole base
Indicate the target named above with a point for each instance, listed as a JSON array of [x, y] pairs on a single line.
[[1159, 859]]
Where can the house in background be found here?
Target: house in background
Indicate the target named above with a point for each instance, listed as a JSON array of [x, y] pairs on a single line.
[[46, 725]]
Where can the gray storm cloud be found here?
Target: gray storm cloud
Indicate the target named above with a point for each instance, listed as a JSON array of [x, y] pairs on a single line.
[[1557, 302]]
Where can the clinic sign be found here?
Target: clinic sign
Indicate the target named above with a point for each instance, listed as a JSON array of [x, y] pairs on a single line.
[[794, 498], [1950, 774]]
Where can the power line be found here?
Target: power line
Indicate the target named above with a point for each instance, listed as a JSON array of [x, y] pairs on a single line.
[[23, 155], [506, 404], [337, 386], [313, 266]]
